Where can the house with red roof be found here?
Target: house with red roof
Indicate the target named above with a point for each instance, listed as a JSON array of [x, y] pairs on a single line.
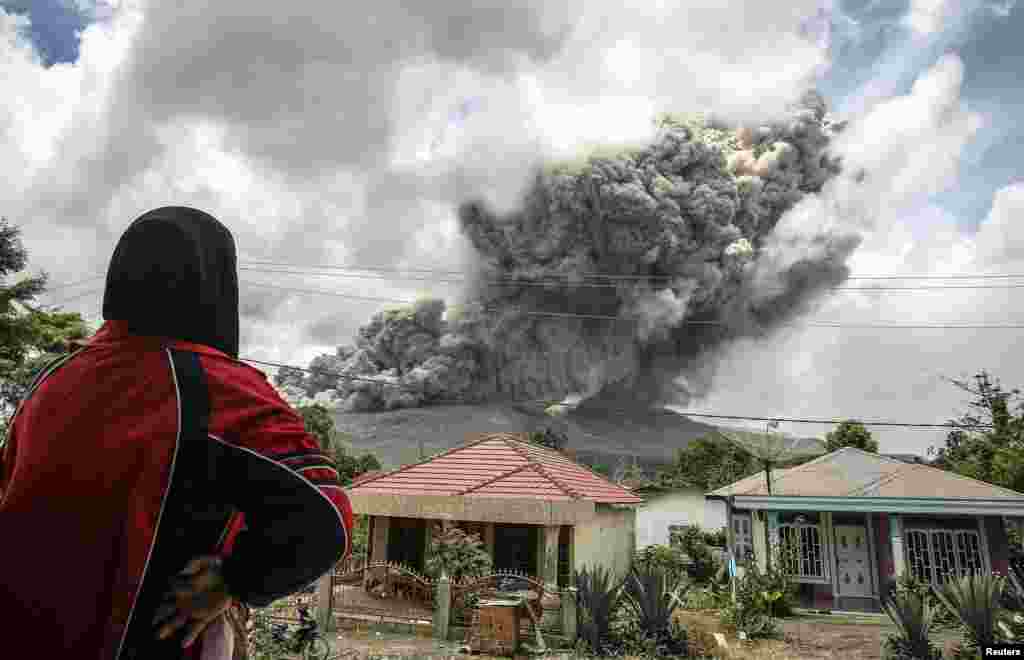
[[858, 520], [537, 510]]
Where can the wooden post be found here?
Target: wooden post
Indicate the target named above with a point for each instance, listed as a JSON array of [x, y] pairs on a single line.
[[442, 607], [325, 602]]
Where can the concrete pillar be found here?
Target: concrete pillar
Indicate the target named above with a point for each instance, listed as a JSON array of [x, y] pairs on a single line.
[[442, 607], [489, 539], [381, 524], [757, 526], [896, 540], [569, 615], [549, 555], [325, 602]]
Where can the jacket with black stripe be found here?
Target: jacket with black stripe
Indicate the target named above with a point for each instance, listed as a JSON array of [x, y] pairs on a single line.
[[133, 455]]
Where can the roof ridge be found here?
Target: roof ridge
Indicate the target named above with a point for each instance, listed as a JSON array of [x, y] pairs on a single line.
[[571, 492], [881, 481], [488, 482], [517, 446], [450, 450]]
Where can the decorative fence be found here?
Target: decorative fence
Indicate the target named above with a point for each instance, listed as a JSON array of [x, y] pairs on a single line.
[[381, 592]]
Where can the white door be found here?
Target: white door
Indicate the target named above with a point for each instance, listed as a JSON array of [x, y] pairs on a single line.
[[744, 537], [852, 560]]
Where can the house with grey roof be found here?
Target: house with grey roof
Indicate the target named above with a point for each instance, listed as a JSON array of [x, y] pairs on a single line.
[[856, 521]]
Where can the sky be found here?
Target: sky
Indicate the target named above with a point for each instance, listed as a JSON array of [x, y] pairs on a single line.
[[323, 134]]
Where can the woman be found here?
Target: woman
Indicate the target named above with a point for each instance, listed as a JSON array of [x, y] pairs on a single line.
[[132, 460]]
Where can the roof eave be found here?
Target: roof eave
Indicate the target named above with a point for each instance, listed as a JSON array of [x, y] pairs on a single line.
[[1005, 506]]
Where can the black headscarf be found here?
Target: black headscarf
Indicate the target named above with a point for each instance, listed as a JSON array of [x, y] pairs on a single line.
[[174, 274]]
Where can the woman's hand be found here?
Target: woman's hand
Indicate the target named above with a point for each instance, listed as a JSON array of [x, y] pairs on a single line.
[[198, 595]]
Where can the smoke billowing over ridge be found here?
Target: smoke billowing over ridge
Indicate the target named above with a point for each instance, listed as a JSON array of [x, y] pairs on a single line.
[[673, 239]]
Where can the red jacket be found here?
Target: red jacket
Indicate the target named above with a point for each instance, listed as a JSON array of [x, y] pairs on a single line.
[[131, 456]]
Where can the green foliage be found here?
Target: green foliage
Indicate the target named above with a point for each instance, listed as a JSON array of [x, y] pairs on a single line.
[[360, 535], [265, 643], [693, 542], [709, 463], [654, 593], [598, 595], [30, 337], [995, 454], [975, 600], [761, 597], [550, 438], [668, 558], [320, 424], [455, 553], [942, 617], [851, 433], [912, 615]]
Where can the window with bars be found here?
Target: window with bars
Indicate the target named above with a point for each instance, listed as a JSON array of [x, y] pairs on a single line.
[[937, 555], [802, 551]]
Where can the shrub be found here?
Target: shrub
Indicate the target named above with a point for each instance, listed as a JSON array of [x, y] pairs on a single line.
[[654, 594], [457, 554], [912, 614], [942, 617], [974, 599], [716, 538], [761, 597], [670, 558], [598, 595], [691, 540]]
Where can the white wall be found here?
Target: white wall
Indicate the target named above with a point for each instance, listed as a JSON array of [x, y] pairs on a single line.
[[608, 540], [677, 507]]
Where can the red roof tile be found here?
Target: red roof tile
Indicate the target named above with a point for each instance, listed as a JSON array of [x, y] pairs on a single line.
[[499, 465]]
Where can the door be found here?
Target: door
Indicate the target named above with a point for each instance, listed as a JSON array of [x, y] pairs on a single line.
[[744, 537], [852, 560]]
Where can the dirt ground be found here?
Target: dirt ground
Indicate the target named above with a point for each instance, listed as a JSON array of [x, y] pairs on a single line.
[[810, 637]]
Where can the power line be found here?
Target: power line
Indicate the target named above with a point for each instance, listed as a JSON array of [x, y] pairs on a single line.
[[608, 317], [794, 420], [570, 282], [356, 271]]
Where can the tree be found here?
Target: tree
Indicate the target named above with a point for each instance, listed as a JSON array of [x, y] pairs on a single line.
[[709, 462], [851, 433], [319, 423], [455, 553], [987, 442], [550, 438], [30, 336]]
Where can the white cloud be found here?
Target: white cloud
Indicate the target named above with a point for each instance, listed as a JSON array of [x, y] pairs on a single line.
[[927, 17], [1000, 238]]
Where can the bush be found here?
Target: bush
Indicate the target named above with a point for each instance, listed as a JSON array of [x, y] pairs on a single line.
[[717, 538], [654, 594], [942, 617], [974, 600], [671, 559], [457, 554], [761, 598], [598, 595], [691, 540], [912, 615]]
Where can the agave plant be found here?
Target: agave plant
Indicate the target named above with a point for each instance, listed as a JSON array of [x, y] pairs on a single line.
[[598, 596], [975, 600], [912, 615], [654, 594]]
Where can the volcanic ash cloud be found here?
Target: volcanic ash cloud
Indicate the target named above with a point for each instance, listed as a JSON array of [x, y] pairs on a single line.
[[674, 239]]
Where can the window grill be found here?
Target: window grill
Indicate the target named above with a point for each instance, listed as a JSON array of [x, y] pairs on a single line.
[[802, 551], [936, 556]]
